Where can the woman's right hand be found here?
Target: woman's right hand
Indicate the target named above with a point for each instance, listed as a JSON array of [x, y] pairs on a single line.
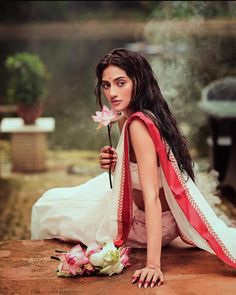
[[107, 158], [148, 276]]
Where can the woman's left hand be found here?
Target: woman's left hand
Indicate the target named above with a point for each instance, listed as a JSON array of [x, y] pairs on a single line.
[[148, 276]]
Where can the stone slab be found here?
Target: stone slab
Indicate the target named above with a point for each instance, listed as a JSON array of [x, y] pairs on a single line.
[[26, 268]]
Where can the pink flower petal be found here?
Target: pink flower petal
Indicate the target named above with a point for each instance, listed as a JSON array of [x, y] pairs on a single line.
[[105, 117], [76, 248], [95, 119], [98, 114], [105, 109], [124, 256]]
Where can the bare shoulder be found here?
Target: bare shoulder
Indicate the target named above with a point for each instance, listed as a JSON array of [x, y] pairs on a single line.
[[139, 135], [141, 142], [138, 127]]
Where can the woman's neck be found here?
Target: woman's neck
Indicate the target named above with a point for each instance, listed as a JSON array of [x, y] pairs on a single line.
[[127, 113]]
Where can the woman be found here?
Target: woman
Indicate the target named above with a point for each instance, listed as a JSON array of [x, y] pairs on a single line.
[[154, 198]]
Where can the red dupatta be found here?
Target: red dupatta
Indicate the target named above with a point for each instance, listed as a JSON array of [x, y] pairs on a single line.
[[202, 227]]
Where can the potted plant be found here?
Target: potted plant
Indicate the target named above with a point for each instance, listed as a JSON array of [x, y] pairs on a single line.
[[27, 84]]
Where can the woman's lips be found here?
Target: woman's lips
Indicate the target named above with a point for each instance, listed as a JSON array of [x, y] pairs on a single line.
[[116, 102]]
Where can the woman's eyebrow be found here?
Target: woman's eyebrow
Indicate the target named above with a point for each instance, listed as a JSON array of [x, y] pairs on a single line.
[[121, 77]]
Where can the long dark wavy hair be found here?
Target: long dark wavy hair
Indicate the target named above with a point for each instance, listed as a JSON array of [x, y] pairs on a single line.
[[147, 98]]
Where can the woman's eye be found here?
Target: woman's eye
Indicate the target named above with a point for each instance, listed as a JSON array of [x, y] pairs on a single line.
[[121, 83], [105, 86]]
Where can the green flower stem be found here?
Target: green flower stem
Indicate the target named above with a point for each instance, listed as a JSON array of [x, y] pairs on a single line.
[[54, 257]]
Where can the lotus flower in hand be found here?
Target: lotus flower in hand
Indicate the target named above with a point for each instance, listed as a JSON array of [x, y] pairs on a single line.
[[105, 117]]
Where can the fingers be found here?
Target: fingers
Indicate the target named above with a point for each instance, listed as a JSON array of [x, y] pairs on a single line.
[[142, 279], [107, 152], [149, 280], [157, 279], [107, 167], [107, 158], [107, 162], [148, 277], [106, 149], [161, 280], [136, 275]]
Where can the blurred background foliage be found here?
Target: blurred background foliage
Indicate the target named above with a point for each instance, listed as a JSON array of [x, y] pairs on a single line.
[[194, 9], [184, 65], [185, 52]]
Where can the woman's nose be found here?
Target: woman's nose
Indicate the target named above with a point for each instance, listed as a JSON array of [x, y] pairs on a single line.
[[113, 92]]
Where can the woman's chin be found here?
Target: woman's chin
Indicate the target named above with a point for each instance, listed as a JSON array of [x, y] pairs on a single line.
[[117, 109]]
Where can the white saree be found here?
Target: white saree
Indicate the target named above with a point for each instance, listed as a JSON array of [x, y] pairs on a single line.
[[94, 212], [85, 213]]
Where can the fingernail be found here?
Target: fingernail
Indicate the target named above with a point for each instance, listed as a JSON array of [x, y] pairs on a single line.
[[140, 284], [145, 285], [152, 285]]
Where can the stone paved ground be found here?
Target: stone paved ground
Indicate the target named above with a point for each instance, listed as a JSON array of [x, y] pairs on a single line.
[[26, 268]]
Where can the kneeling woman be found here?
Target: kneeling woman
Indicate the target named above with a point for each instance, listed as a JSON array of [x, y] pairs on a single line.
[[154, 197]]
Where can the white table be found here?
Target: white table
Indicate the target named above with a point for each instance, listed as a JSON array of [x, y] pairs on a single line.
[[29, 143]]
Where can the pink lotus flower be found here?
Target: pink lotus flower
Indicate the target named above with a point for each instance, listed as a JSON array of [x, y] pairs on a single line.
[[71, 262], [105, 117], [97, 259], [93, 248], [124, 252]]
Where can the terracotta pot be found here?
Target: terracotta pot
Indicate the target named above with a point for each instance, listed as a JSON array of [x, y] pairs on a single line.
[[30, 113]]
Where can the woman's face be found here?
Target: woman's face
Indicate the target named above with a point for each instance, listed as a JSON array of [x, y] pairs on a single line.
[[117, 88]]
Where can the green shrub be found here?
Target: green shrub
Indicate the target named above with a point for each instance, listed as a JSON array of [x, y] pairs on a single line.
[[28, 78]]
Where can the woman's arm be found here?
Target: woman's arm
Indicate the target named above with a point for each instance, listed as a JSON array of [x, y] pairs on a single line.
[[146, 157]]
